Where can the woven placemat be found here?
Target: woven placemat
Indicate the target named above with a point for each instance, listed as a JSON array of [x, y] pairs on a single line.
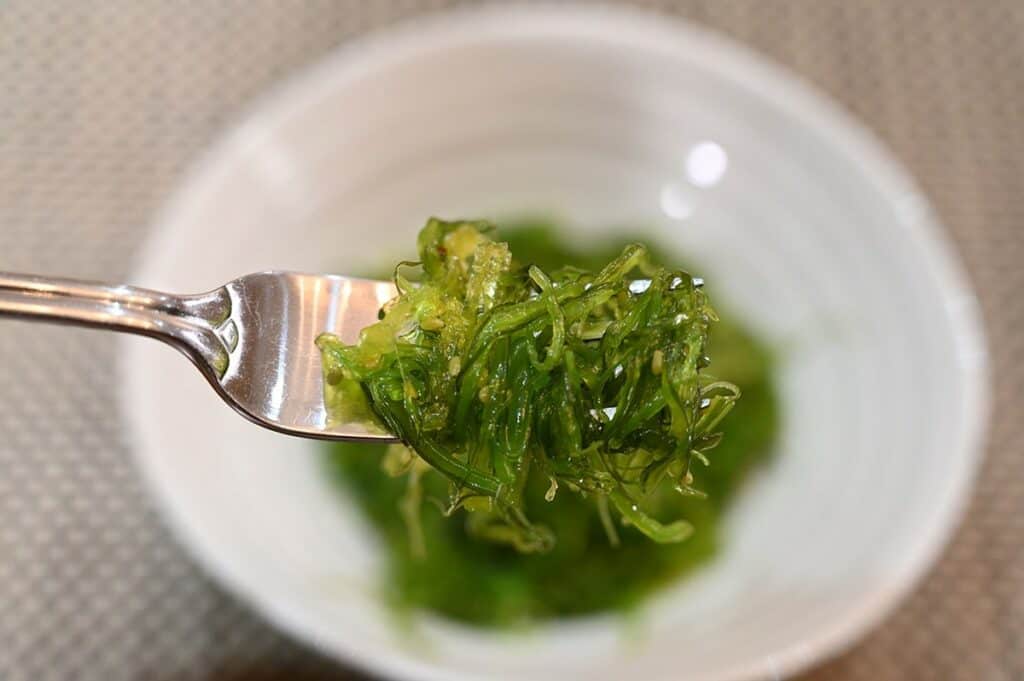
[[103, 104]]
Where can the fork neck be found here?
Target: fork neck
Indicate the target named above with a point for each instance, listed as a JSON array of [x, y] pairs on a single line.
[[198, 325]]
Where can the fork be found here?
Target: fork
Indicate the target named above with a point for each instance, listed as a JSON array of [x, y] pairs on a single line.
[[253, 338]]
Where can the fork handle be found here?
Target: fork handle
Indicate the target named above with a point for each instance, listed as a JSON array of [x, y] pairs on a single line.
[[189, 323]]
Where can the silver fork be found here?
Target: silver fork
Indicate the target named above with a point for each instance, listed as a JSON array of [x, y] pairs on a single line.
[[253, 338]]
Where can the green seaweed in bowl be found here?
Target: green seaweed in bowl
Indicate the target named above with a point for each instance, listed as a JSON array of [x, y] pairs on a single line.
[[438, 563]]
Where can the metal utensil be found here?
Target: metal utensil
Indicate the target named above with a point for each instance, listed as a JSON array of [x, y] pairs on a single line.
[[253, 338]]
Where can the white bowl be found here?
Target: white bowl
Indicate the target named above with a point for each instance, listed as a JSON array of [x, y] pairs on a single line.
[[605, 117]]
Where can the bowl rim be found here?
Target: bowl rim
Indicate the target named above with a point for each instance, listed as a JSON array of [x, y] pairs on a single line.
[[611, 25]]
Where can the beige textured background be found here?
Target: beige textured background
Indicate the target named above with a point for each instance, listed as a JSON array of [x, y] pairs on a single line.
[[103, 105]]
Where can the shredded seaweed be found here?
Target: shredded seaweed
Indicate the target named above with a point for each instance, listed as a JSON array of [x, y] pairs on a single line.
[[492, 370], [485, 584]]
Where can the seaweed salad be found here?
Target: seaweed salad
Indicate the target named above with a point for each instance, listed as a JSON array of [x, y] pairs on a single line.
[[553, 402]]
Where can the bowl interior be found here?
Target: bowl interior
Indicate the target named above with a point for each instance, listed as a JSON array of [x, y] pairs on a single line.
[[796, 221]]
